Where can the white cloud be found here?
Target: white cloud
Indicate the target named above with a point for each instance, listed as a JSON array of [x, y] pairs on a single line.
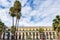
[[3, 15], [48, 9], [23, 2], [44, 12]]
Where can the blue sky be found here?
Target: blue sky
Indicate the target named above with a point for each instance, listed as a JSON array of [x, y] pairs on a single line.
[[34, 12]]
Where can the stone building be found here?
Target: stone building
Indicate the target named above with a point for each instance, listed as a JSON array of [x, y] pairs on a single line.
[[32, 33]]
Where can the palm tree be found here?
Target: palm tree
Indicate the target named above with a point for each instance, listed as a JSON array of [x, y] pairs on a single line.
[[41, 30], [42, 35], [56, 25], [2, 28], [15, 12], [12, 13], [17, 6], [12, 30]]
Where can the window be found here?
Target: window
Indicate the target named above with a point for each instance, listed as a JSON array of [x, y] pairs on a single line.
[[33, 35], [43, 34], [50, 35], [33, 30], [23, 36], [46, 29], [36, 29], [37, 37], [29, 33], [19, 36], [26, 34], [23, 29], [36, 33], [40, 36], [47, 35], [49, 29], [29, 29], [16, 35]]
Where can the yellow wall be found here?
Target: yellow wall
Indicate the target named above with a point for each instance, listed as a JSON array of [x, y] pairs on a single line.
[[34, 28]]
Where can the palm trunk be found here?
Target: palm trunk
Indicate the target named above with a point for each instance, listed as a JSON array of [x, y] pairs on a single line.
[[16, 24], [12, 21], [16, 28]]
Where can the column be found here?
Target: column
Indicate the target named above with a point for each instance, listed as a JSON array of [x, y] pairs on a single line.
[[56, 36], [21, 35], [28, 33], [45, 36], [52, 35], [32, 35], [25, 35], [38, 36], [17, 35], [35, 35], [48, 36]]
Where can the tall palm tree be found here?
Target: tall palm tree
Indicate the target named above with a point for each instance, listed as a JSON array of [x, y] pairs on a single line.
[[56, 25], [12, 13], [15, 11], [17, 6]]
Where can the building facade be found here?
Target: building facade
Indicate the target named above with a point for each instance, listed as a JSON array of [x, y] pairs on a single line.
[[32, 33]]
